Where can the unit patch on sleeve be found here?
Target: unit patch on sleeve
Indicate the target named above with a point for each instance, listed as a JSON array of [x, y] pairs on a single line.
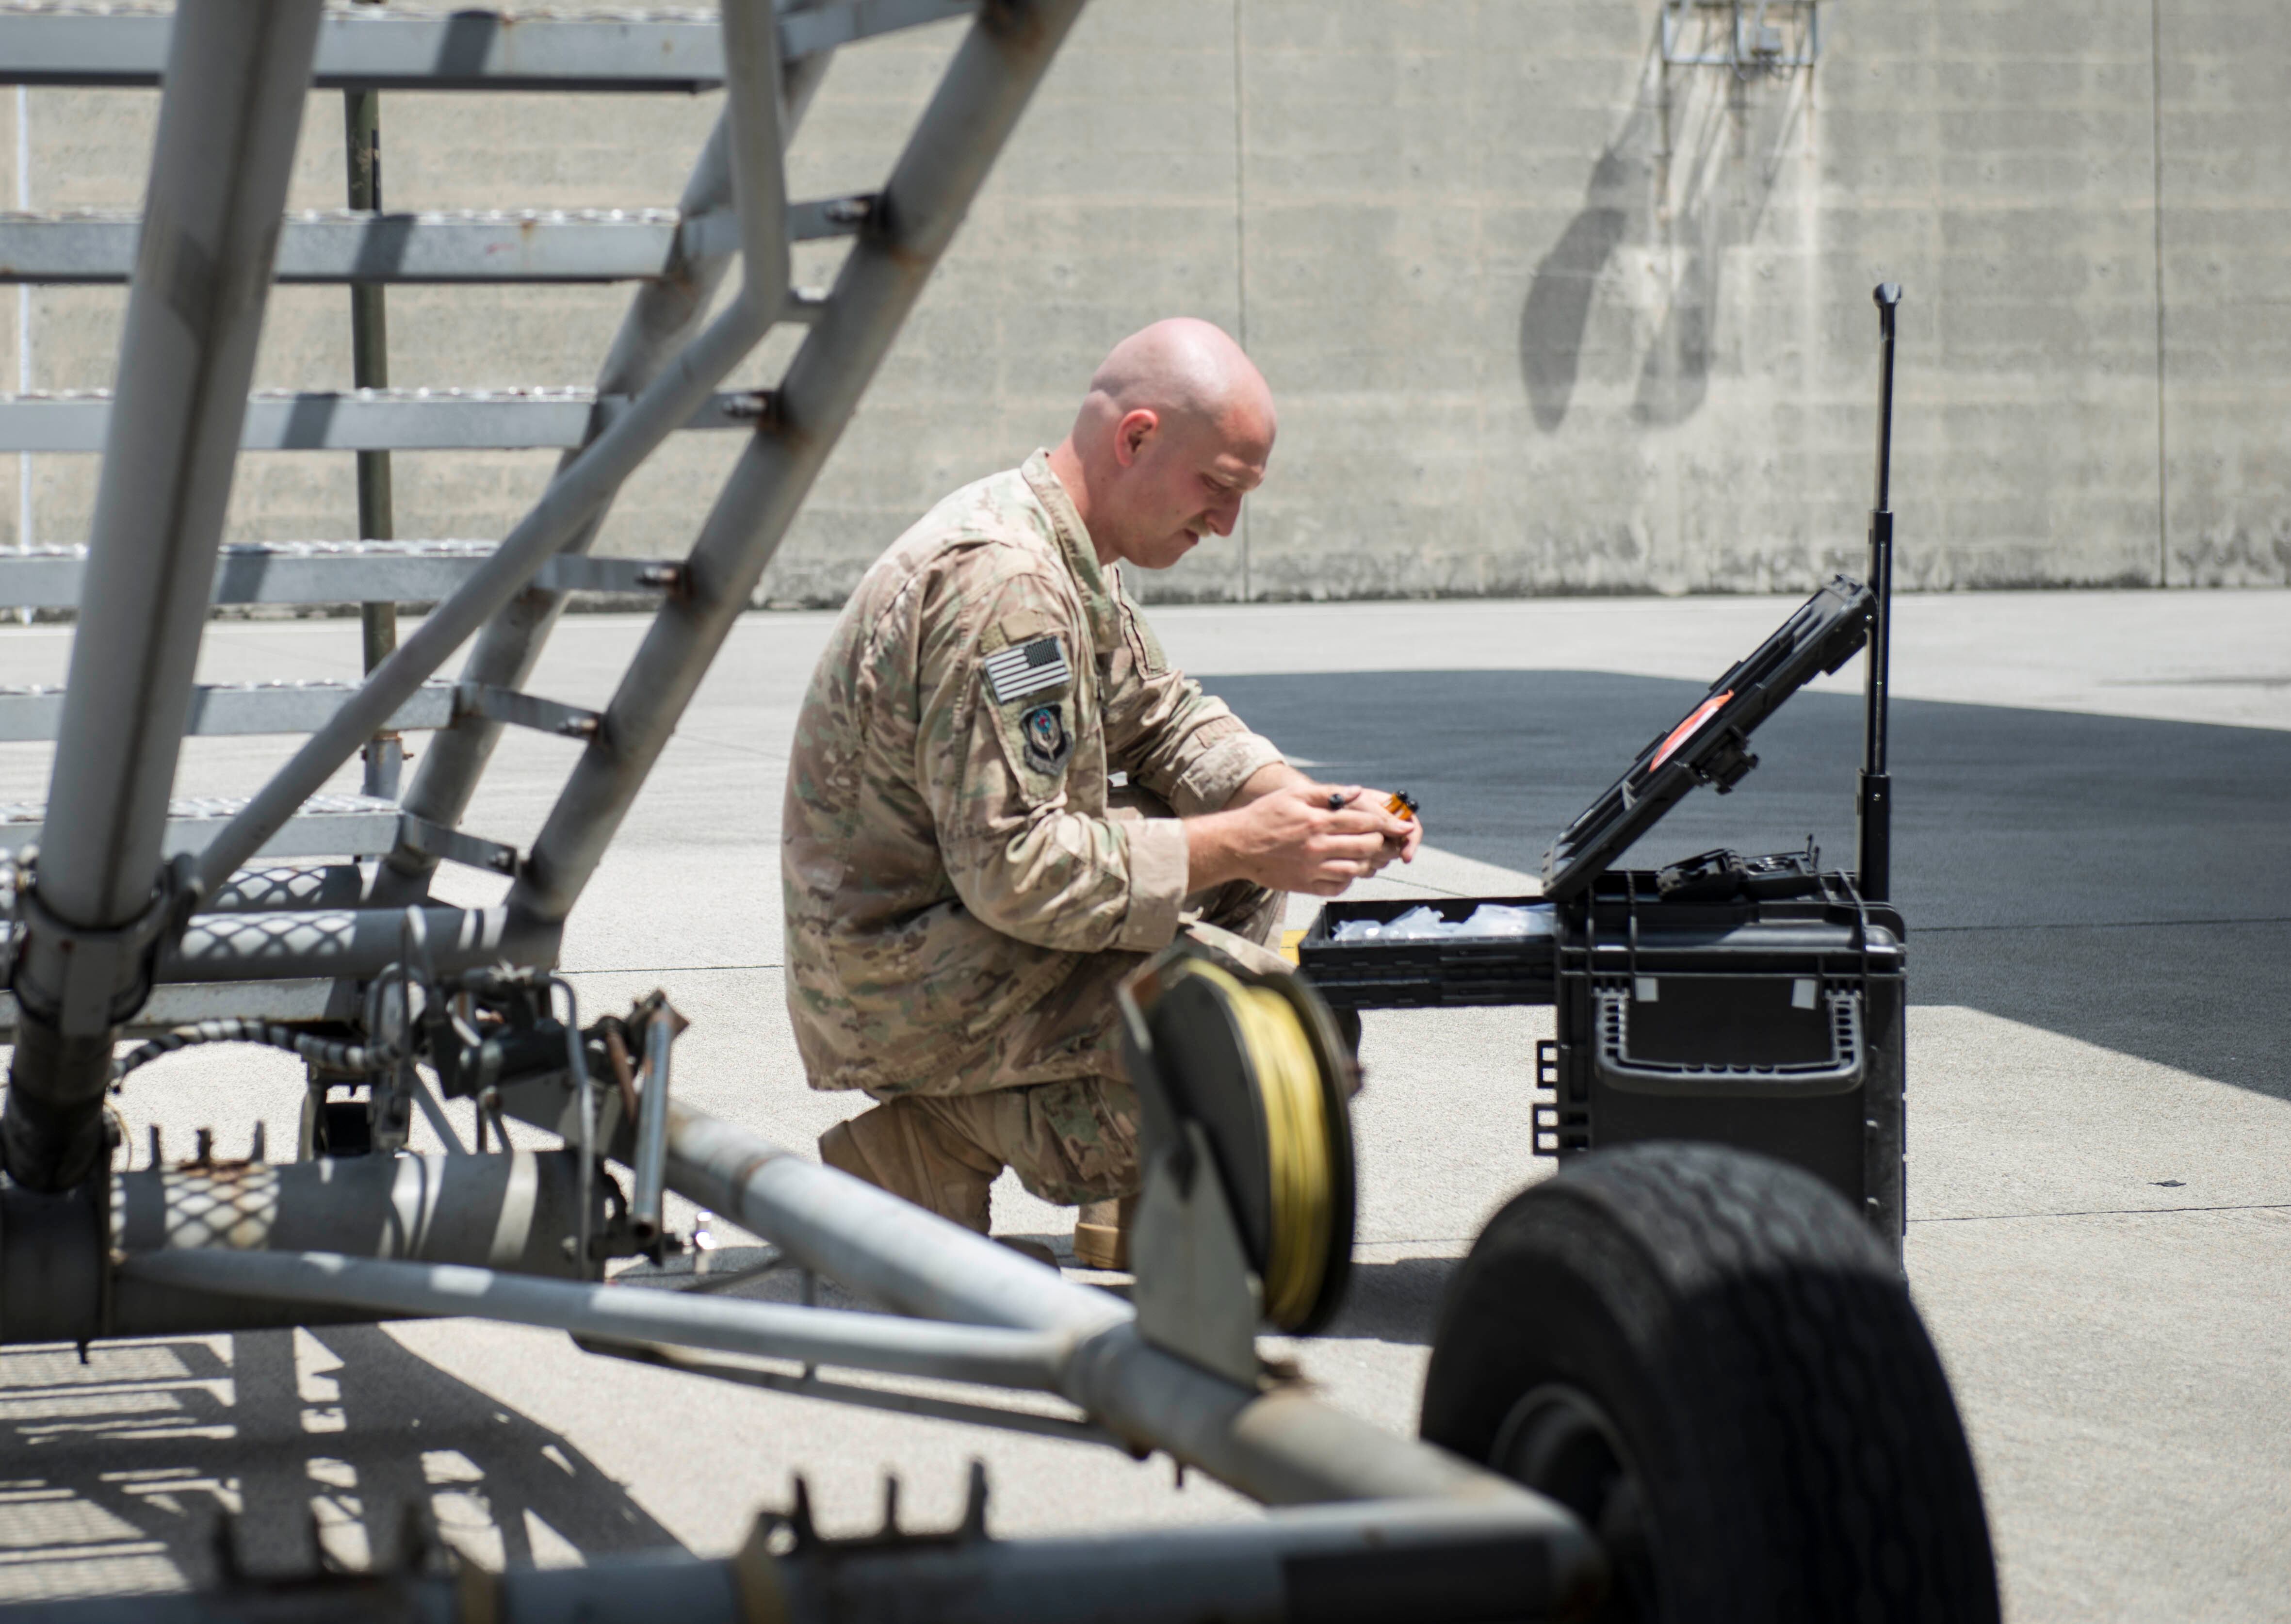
[[1047, 742], [1027, 668]]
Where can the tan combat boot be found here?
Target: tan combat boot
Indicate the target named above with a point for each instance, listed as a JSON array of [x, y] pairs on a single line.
[[1101, 1237]]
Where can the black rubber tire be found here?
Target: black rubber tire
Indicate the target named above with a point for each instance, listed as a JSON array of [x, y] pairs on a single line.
[[1712, 1359]]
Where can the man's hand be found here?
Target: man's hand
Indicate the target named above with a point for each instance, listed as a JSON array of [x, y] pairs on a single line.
[[1301, 836], [1411, 823]]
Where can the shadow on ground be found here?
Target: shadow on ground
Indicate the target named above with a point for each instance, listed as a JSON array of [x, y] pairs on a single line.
[[118, 1474], [2122, 881], [1395, 1301]]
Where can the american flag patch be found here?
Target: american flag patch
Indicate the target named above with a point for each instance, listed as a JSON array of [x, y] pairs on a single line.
[[1027, 668]]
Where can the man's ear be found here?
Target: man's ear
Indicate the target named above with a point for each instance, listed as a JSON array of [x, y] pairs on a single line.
[[1131, 433]]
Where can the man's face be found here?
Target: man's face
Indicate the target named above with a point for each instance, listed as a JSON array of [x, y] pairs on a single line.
[[1181, 479]]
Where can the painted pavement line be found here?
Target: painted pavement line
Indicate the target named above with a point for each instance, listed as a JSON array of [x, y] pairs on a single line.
[[2006, 1218]]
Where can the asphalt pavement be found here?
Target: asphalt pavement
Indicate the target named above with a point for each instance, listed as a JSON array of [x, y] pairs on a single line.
[[2094, 861]]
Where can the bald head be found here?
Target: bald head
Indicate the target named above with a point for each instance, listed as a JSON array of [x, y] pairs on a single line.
[[1180, 366], [1177, 426]]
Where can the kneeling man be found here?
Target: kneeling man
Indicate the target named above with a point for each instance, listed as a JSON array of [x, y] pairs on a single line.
[[964, 889]]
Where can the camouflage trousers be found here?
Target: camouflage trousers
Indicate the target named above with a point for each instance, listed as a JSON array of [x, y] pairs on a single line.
[[1070, 1141]]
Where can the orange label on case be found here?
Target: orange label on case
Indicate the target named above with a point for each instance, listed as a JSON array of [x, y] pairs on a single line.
[[1687, 729]]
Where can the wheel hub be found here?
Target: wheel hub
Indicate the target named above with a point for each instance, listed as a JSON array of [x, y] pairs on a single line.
[[1559, 1441]]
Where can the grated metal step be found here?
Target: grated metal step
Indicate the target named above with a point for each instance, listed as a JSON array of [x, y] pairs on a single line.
[[98, 245], [334, 572], [30, 714], [327, 826], [366, 48], [372, 419]]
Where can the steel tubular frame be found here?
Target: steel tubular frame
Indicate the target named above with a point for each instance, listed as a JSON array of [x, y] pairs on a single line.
[[599, 470], [990, 1355], [1441, 1564], [348, 944], [1280, 1447], [987, 1317], [235, 1245], [228, 125]]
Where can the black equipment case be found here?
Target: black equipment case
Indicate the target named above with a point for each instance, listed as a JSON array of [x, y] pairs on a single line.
[[1755, 1002]]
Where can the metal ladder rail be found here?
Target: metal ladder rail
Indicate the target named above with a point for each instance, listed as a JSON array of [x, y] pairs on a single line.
[[362, 47], [986, 88], [228, 123], [678, 253], [52, 577], [661, 318], [376, 419], [235, 82], [993, 74], [945, 148], [590, 478], [96, 247], [674, 293]]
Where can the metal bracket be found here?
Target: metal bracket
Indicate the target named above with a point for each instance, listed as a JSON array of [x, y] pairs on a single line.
[[1763, 36], [452, 845], [574, 572], [1195, 1293], [650, 1169], [96, 997], [817, 220], [487, 702]]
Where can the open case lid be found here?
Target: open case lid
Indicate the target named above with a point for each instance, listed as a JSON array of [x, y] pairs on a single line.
[[1710, 744]]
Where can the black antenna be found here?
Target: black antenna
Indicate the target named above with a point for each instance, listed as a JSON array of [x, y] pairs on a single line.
[[1877, 803]]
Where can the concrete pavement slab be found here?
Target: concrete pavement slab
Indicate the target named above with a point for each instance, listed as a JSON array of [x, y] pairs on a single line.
[[2125, 1379], [2097, 875]]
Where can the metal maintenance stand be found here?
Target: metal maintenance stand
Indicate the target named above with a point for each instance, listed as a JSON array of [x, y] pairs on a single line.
[[253, 920], [135, 914]]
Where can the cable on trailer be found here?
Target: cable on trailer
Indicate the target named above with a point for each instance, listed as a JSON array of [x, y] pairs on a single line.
[[327, 1052], [1239, 1052]]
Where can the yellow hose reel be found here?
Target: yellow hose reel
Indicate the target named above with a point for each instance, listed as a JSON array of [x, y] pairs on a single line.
[[1257, 1061]]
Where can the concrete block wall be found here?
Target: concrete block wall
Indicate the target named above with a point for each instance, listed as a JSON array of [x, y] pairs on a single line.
[[2224, 126], [1543, 316]]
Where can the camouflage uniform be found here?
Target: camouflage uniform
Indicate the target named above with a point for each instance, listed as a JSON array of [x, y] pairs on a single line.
[[962, 896]]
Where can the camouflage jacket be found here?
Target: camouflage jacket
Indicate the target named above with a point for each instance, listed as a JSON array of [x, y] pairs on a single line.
[[947, 853]]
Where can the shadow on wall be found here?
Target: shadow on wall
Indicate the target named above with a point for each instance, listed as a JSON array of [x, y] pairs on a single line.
[[121, 1471], [1559, 300], [1687, 177]]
